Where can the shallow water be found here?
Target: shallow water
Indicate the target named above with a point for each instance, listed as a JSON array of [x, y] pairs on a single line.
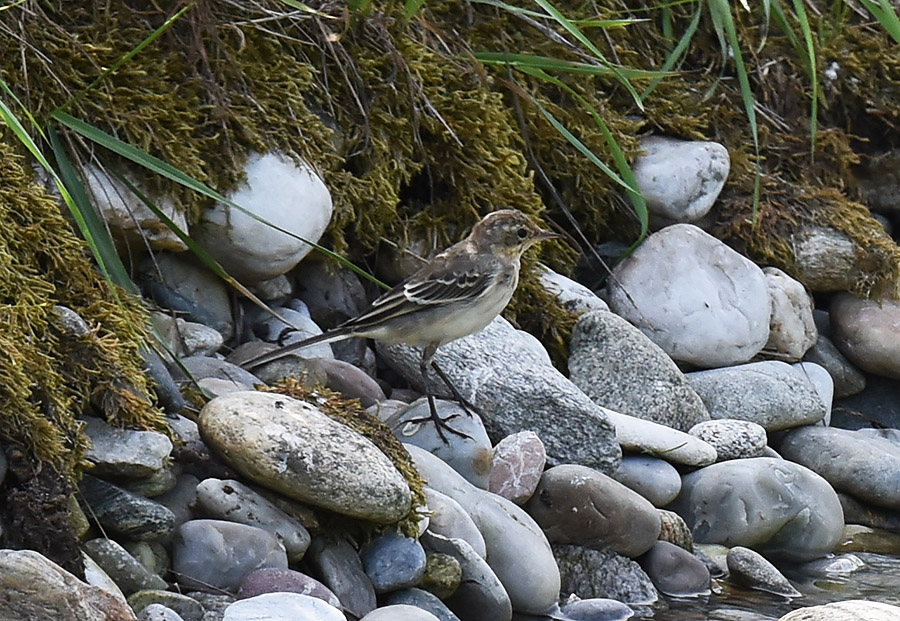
[[878, 580]]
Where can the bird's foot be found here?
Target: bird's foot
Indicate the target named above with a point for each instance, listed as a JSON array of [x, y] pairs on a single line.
[[440, 424]]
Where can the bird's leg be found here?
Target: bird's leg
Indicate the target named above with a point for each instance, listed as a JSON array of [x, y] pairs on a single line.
[[469, 408], [440, 424]]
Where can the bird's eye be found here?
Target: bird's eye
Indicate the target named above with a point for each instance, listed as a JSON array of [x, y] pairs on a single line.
[[522, 233]]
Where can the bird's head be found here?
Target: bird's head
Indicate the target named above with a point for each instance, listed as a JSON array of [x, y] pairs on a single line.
[[508, 231]]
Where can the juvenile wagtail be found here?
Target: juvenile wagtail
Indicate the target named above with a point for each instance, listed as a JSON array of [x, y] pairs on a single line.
[[457, 293]]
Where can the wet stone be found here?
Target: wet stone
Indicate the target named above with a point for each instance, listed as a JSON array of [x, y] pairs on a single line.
[[123, 513], [393, 562]]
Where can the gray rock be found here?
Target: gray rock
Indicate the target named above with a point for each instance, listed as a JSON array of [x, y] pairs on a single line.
[[722, 299], [291, 447], [186, 338], [214, 604], [866, 332], [643, 436], [213, 555], [443, 574], [123, 513], [848, 610], [732, 439], [158, 612], [352, 382], [777, 507], [751, 569], [125, 453], [574, 504], [574, 297], [332, 293], [822, 382], [878, 405], [393, 562], [597, 609], [186, 607], [153, 555], [856, 512], [792, 330], [123, 568], [44, 590], [854, 462], [282, 607], [512, 382], [675, 530], [296, 325], [450, 520], [848, 380], [277, 580], [95, 576], [274, 290], [590, 573], [235, 502], [399, 611], [181, 498], [653, 478], [424, 600], [618, 367], [675, 571], [336, 563], [772, 394], [519, 461], [156, 484], [167, 392], [201, 367]]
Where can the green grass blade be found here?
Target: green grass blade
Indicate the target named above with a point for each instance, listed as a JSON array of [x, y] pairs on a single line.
[[555, 64], [813, 75], [884, 13], [677, 53], [302, 6], [411, 7]]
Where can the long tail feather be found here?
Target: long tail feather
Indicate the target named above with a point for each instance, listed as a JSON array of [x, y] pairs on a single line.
[[326, 337]]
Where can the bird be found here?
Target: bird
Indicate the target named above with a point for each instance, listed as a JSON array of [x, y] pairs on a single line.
[[457, 293]]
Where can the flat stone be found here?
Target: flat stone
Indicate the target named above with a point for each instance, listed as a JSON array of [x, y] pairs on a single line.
[[335, 561], [125, 453], [282, 607], [643, 436], [849, 610], [866, 331], [122, 567], [653, 478], [123, 513]]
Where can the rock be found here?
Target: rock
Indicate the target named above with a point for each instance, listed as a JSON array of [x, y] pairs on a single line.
[[201, 367], [212, 554], [849, 610], [792, 330], [642, 436], [853, 462], [180, 499], [186, 338], [399, 611], [654, 479], [95, 576], [214, 604], [826, 259], [519, 461], [574, 504], [215, 387], [505, 374], [186, 607], [675, 571], [772, 394], [294, 325], [597, 609], [674, 530], [153, 555], [732, 439], [517, 550], [618, 367], [866, 332], [822, 382], [336, 563], [847, 379], [443, 575], [774, 506], [275, 580], [119, 565], [450, 520], [424, 600], [125, 453], [124, 514], [332, 293], [833, 566], [282, 607], [574, 297], [158, 612], [590, 573], [156, 484], [36, 588], [471, 457], [680, 179], [878, 404], [280, 191], [352, 382], [274, 290], [168, 394], [856, 538], [235, 502], [751, 569], [722, 298], [393, 562], [291, 447], [856, 512]]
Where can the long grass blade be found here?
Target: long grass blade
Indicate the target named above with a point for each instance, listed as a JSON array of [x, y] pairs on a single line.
[[884, 13], [556, 64], [802, 18], [679, 50]]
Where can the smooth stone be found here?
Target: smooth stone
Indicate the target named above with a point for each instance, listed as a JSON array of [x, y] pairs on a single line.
[[95, 576], [335, 562], [472, 457], [779, 508], [186, 338], [578, 505], [822, 382], [44, 590], [282, 192], [732, 439], [351, 381], [399, 612], [772, 394], [212, 554], [675, 571], [848, 610], [291, 447], [846, 378], [517, 548], [519, 461], [653, 478], [214, 604], [443, 575], [506, 373], [393, 562], [675, 530], [235, 502], [618, 367], [156, 484], [275, 580], [866, 332], [201, 367], [215, 387], [715, 557], [294, 325], [153, 555], [424, 600], [832, 566], [721, 297], [680, 179], [124, 514], [643, 436], [857, 538], [193, 454], [282, 607], [792, 330], [573, 296], [181, 499], [168, 394], [122, 567], [856, 512], [158, 612], [853, 462], [480, 594], [450, 520], [274, 290], [125, 453], [751, 569], [590, 573], [597, 609], [186, 607], [332, 293], [877, 405]]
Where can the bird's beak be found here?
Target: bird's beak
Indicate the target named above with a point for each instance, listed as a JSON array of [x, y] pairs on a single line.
[[542, 235]]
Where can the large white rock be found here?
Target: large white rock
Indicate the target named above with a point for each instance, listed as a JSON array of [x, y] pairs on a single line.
[[681, 179], [695, 297], [290, 196], [792, 330]]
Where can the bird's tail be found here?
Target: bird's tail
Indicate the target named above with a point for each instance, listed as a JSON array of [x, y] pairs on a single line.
[[330, 336]]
